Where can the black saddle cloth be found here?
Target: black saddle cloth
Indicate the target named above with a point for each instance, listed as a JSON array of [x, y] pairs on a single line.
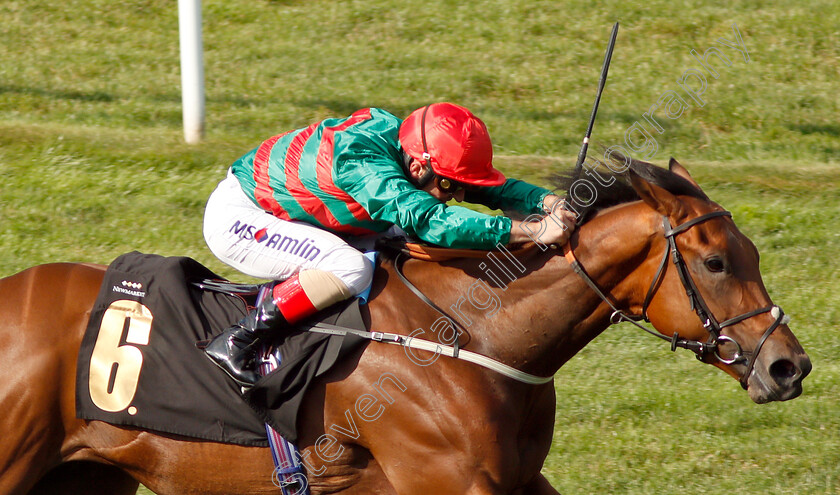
[[138, 365]]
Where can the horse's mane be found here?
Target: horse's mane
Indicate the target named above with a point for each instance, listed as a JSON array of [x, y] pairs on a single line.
[[613, 188]]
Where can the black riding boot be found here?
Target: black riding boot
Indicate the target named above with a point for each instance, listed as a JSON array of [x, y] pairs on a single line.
[[235, 350]]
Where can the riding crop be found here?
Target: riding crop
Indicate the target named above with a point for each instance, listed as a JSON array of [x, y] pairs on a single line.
[[601, 82]]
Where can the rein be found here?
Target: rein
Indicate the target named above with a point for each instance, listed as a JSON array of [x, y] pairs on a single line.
[[454, 351], [696, 301], [426, 345]]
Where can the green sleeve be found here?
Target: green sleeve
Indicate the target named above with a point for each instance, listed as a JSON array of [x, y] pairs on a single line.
[[380, 186], [513, 195]]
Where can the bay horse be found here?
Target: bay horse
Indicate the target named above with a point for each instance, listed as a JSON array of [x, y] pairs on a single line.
[[452, 427]]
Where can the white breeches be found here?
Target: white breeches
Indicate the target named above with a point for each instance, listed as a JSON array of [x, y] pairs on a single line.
[[261, 245]]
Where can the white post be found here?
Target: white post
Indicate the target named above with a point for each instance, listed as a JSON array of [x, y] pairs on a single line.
[[192, 69]]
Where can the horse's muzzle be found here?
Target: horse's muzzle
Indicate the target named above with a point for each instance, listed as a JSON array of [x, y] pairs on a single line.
[[781, 380]]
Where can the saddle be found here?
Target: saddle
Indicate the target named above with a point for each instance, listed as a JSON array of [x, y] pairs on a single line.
[[138, 365]]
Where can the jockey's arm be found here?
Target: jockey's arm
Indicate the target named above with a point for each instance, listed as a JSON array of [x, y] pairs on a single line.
[[526, 198], [513, 195], [388, 196]]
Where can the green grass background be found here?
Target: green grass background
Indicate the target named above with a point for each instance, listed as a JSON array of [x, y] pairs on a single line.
[[93, 164]]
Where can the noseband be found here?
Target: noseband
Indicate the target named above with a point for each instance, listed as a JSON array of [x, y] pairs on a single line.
[[698, 305]]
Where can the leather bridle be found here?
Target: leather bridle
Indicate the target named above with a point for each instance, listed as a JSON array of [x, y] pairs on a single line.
[[698, 304]]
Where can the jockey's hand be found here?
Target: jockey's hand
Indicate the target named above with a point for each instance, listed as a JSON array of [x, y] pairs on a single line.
[[554, 228], [549, 201]]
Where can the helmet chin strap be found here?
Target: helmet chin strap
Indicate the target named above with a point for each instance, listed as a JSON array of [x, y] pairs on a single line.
[[429, 174], [424, 179]]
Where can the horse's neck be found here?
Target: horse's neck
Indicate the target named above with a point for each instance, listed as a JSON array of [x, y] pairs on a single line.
[[538, 319], [613, 245], [569, 314]]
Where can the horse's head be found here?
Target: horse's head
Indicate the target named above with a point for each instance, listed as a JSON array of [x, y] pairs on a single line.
[[706, 287]]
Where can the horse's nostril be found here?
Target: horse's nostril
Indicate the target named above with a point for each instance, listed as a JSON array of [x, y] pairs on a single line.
[[784, 371], [805, 367]]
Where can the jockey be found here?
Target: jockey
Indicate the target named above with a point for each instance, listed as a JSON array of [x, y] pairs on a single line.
[[288, 207]]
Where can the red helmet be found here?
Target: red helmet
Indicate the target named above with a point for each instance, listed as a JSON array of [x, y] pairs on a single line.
[[453, 142]]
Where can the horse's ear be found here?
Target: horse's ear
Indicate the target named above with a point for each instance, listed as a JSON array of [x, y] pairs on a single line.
[[656, 197], [675, 167]]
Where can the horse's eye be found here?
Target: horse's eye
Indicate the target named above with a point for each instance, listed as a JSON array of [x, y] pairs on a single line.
[[714, 264]]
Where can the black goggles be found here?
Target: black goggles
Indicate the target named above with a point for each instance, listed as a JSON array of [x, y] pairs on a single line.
[[450, 186]]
